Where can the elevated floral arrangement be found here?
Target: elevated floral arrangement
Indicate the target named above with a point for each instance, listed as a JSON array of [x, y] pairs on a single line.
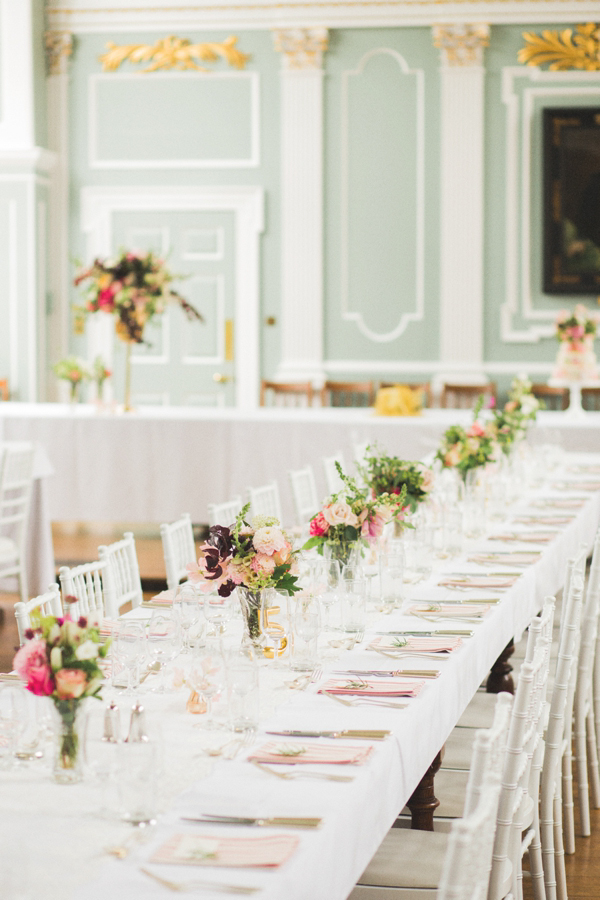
[[254, 556], [351, 517], [467, 448], [519, 412], [100, 372], [73, 370], [135, 288], [576, 360], [391, 475], [60, 659]]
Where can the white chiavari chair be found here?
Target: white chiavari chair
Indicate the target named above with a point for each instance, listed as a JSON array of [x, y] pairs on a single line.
[[224, 513], [48, 604], [122, 583], [586, 751], [178, 549], [304, 493], [85, 583], [412, 864], [16, 478], [332, 479], [265, 501], [551, 808]]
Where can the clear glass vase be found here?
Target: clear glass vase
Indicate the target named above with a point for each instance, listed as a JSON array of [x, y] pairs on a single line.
[[347, 553], [250, 602], [69, 740]]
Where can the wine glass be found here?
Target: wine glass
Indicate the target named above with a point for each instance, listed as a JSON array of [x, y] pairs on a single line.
[[391, 578], [188, 610], [307, 625], [325, 580], [274, 621], [163, 642], [218, 610], [130, 651], [208, 676]]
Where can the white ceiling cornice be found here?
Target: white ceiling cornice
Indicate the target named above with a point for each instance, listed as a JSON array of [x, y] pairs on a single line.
[[175, 15]]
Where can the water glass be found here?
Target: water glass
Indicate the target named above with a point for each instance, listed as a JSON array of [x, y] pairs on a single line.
[[391, 578], [188, 609], [275, 624], [325, 582], [451, 532], [163, 642], [208, 676], [306, 630], [138, 770], [243, 692], [218, 611], [354, 605], [130, 651]]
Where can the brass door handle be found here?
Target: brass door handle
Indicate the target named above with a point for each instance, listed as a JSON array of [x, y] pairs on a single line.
[[219, 378]]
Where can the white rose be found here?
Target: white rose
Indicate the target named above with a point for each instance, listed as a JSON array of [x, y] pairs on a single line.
[[87, 650], [56, 659], [339, 513], [54, 634]]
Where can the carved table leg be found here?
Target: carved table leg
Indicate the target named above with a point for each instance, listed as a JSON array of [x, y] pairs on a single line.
[[500, 678], [423, 801]]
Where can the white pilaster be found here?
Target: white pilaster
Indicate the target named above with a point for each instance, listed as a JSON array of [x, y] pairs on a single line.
[[302, 202], [461, 146]]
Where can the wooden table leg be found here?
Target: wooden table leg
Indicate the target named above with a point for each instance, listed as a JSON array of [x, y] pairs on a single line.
[[423, 801], [500, 678]]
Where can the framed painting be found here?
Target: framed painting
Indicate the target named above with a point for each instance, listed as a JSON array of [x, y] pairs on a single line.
[[572, 200]]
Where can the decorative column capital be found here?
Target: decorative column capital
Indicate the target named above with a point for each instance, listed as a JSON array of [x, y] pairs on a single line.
[[461, 45], [59, 46], [302, 48]]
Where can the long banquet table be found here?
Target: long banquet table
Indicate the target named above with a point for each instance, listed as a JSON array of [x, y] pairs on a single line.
[[66, 839], [154, 464]]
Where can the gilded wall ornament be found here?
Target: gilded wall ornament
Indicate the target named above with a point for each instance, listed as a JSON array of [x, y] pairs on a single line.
[[173, 53], [302, 48], [564, 49], [461, 45], [58, 46]]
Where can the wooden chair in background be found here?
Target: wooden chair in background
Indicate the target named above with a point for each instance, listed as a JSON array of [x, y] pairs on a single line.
[[273, 393], [465, 396], [424, 387], [590, 399], [553, 397], [348, 393]]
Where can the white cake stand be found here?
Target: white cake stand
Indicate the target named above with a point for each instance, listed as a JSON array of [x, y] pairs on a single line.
[[575, 410]]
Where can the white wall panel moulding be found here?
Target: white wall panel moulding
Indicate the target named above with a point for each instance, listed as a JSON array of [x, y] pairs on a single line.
[[17, 128], [346, 252], [567, 87], [36, 159], [98, 160], [172, 15], [394, 367], [99, 204]]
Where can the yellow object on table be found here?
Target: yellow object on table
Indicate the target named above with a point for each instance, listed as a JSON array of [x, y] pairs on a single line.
[[399, 400]]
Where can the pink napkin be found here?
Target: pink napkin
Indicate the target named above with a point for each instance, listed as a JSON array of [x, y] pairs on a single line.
[[377, 688], [423, 644], [450, 610], [505, 559], [338, 754], [544, 520], [490, 583], [216, 850], [165, 598], [526, 537], [107, 628]]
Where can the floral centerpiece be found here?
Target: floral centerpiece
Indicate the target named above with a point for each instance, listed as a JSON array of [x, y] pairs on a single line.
[[100, 373], [249, 556], [520, 410], [467, 448], [134, 288], [390, 475], [60, 660], [349, 519], [74, 370], [576, 360]]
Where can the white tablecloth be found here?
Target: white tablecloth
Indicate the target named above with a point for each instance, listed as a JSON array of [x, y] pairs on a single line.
[[65, 838], [152, 465]]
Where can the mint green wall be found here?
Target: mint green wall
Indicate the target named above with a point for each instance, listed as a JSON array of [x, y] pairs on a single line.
[[39, 73]]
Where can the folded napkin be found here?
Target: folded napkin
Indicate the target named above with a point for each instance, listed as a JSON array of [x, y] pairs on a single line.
[[165, 598], [558, 503], [517, 558], [293, 753], [544, 520], [235, 852], [578, 485], [398, 400], [488, 582], [418, 644], [365, 688], [108, 627], [526, 537], [450, 610], [588, 469]]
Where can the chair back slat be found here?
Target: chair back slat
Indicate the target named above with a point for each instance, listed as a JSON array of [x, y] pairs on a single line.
[[122, 583], [85, 583], [47, 603], [265, 501], [178, 549], [304, 492], [224, 513]]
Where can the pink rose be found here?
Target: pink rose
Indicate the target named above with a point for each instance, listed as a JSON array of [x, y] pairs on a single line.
[[339, 513], [31, 665], [475, 430], [318, 525], [70, 683], [427, 476], [105, 298], [263, 564], [452, 457], [283, 555], [510, 406], [269, 540]]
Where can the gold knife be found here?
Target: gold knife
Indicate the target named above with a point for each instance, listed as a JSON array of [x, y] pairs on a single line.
[[273, 822]]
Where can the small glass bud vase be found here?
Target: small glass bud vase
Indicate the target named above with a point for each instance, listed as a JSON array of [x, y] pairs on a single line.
[[68, 721]]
